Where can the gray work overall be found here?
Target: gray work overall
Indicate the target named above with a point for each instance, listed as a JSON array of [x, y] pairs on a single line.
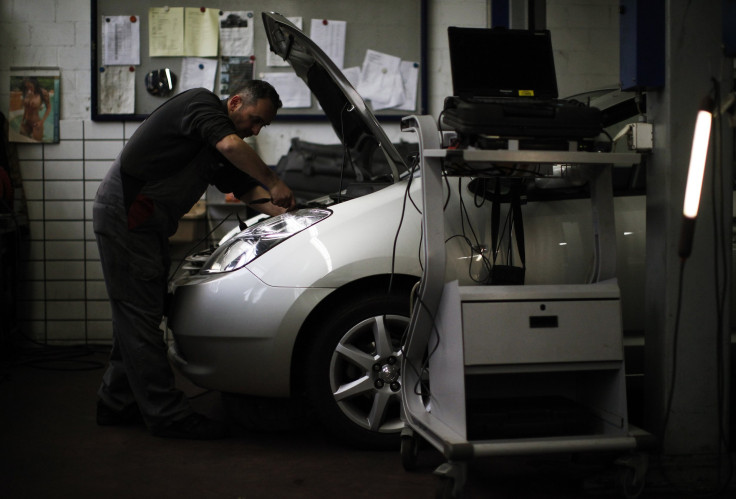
[[135, 264]]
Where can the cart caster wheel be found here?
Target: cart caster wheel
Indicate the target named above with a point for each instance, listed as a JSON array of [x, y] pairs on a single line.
[[409, 452], [631, 476], [627, 484], [451, 480], [446, 488]]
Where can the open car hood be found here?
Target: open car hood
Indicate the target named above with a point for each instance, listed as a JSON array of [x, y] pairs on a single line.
[[354, 123]]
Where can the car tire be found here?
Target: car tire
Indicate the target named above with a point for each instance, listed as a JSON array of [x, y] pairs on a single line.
[[353, 371]]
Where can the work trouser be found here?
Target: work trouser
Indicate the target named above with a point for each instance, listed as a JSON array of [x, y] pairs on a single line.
[[135, 265]]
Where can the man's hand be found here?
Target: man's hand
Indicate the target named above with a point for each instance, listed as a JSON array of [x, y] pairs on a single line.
[[245, 158], [281, 195]]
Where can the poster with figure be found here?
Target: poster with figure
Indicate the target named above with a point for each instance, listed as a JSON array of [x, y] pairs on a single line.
[[34, 106]]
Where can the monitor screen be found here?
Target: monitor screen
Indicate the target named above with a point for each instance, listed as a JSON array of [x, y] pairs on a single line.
[[502, 63]]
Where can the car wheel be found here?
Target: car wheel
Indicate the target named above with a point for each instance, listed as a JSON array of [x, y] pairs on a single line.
[[354, 370]]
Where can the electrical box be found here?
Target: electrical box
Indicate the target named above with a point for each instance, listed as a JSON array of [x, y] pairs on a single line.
[[642, 44], [641, 137]]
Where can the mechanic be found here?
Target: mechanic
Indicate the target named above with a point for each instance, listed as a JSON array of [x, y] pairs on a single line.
[[189, 142]]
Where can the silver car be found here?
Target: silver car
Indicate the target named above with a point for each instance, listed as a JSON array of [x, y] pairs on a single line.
[[311, 306]]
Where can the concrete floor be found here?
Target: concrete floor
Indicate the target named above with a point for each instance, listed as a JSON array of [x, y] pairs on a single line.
[[51, 447]]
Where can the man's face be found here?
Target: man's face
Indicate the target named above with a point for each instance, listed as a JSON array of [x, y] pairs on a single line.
[[249, 119]]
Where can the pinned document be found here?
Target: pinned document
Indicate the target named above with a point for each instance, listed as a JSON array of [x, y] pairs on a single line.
[[121, 40]]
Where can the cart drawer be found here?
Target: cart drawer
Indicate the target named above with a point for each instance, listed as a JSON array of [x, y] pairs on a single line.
[[554, 331]]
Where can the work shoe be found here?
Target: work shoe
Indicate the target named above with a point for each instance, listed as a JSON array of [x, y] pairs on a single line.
[[193, 427], [109, 417]]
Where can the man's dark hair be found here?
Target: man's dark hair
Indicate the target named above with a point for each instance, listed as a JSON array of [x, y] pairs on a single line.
[[251, 91]]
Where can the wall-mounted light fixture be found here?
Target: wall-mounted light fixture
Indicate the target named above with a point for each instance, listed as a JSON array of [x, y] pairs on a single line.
[[695, 173]]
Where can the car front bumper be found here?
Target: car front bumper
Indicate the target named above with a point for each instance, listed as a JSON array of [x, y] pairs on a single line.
[[233, 333]]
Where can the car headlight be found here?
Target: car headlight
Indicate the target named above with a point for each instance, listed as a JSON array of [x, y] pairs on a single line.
[[257, 239]]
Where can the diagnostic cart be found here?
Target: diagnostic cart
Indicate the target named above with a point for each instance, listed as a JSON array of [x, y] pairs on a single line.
[[501, 370]]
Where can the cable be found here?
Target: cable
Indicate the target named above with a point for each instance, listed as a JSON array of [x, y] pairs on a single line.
[[474, 248], [346, 150], [404, 336], [398, 230], [477, 192], [675, 340], [345, 153], [720, 258], [421, 388], [718, 206]]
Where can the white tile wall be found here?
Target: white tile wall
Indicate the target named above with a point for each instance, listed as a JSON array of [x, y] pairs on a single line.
[[99, 331], [61, 190], [62, 331], [65, 290], [64, 297], [64, 310], [71, 129], [36, 253], [98, 310], [93, 270], [33, 190], [35, 209], [31, 169], [63, 231], [90, 190], [101, 131], [102, 149], [63, 210], [63, 170], [65, 250], [95, 169], [96, 290], [36, 230], [64, 271], [60, 180], [67, 149], [90, 248]]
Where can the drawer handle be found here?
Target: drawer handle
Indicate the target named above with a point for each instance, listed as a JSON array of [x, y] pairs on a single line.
[[543, 321]]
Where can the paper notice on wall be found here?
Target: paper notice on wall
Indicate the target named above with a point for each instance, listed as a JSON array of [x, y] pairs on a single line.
[[197, 72], [380, 79], [275, 60], [116, 92], [293, 91], [410, 79], [201, 31], [329, 35], [121, 40], [236, 33], [393, 94], [165, 31]]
